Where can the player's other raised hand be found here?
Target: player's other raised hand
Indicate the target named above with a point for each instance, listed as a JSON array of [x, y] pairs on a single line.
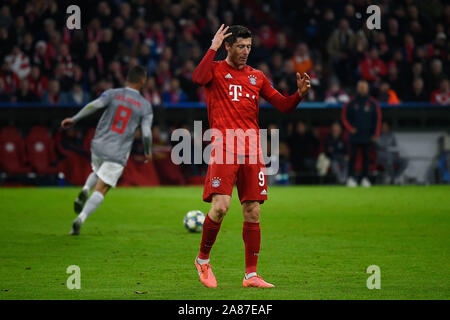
[[219, 36], [303, 84], [67, 123]]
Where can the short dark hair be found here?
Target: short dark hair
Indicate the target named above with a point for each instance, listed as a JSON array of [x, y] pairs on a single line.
[[136, 73], [237, 31]]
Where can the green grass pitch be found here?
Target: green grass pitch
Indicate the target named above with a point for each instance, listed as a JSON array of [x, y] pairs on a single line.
[[317, 243]]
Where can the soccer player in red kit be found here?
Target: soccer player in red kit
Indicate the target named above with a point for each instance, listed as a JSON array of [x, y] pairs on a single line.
[[232, 90]]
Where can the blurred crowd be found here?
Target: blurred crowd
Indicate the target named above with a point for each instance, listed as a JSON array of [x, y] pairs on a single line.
[[406, 60]]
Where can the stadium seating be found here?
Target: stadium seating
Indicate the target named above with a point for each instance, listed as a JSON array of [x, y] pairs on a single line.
[[76, 167], [139, 174], [13, 158], [41, 151]]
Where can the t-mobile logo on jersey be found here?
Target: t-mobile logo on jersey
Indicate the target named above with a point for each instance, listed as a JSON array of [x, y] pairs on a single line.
[[234, 92]]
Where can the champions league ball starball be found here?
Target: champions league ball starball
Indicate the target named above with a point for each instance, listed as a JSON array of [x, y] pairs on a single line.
[[193, 221]]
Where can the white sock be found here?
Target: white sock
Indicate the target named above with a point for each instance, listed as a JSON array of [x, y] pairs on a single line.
[[94, 201], [248, 276], [90, 183], [202, 261]]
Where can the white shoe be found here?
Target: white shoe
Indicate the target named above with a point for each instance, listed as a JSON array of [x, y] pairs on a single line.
[[351, 182], [365, 182]]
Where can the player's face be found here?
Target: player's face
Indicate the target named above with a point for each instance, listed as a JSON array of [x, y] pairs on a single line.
[[239, 51]]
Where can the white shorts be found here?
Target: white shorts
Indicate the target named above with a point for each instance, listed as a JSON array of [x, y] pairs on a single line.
[[108, 172]]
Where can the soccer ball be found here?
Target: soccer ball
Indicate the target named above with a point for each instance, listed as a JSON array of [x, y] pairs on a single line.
[[193, 221]]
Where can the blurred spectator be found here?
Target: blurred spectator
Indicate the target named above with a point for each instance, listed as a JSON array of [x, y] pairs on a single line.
[[38, 82], [10, 80], [28, 45], [388, 156], [53, 95], [337, 150], [282, 46], [442, 95], [6, 42], [5, 17], [438, 48], [259, 51], [25, 94], [107, 47], [435, 75], [175, 94], [303, 145], [116, 74], [268, 37], [76, 96], [4, 96], [393, 33], [150, 92], [394, 80], [387, 95], [186, 83], [362, 119], [19, 62], [65, 59], [372, 67], [335, 94], [340, 46], [93, 62], [301, 60], [418, 91]]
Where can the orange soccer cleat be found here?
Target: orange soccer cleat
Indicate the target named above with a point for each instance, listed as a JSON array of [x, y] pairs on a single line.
[[206, 274], [257, 282]]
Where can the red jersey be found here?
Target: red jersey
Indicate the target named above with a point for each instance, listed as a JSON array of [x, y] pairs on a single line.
[[232, 98]]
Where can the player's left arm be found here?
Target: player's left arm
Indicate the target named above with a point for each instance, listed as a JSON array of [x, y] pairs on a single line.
[[147, 138], [88, 109], [289, 103]]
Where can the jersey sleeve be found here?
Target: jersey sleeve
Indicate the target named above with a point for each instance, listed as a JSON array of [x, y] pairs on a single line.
[[279, 101], [267, 90], [146, 128], [101, 102], [203, 74], [106, 97]]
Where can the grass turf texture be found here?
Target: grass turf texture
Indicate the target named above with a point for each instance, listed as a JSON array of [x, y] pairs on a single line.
[[317, 243]]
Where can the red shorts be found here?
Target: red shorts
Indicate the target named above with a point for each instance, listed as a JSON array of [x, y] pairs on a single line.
[[250, 180]]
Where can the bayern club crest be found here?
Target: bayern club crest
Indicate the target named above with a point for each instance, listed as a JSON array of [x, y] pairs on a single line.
[[216, 182], [252, 78]]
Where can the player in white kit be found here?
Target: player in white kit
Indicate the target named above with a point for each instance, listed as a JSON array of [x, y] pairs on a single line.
[[125, 111]]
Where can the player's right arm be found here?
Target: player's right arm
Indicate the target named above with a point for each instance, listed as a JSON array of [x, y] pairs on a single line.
[[147, 139], [88, 109], [203, 73]]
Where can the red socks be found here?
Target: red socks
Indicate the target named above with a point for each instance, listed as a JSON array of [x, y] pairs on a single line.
[[251, 234], [210, 231]]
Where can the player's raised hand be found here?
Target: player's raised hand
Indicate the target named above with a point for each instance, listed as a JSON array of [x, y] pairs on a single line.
[[67, 123], [303, 84], [219, 36]]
